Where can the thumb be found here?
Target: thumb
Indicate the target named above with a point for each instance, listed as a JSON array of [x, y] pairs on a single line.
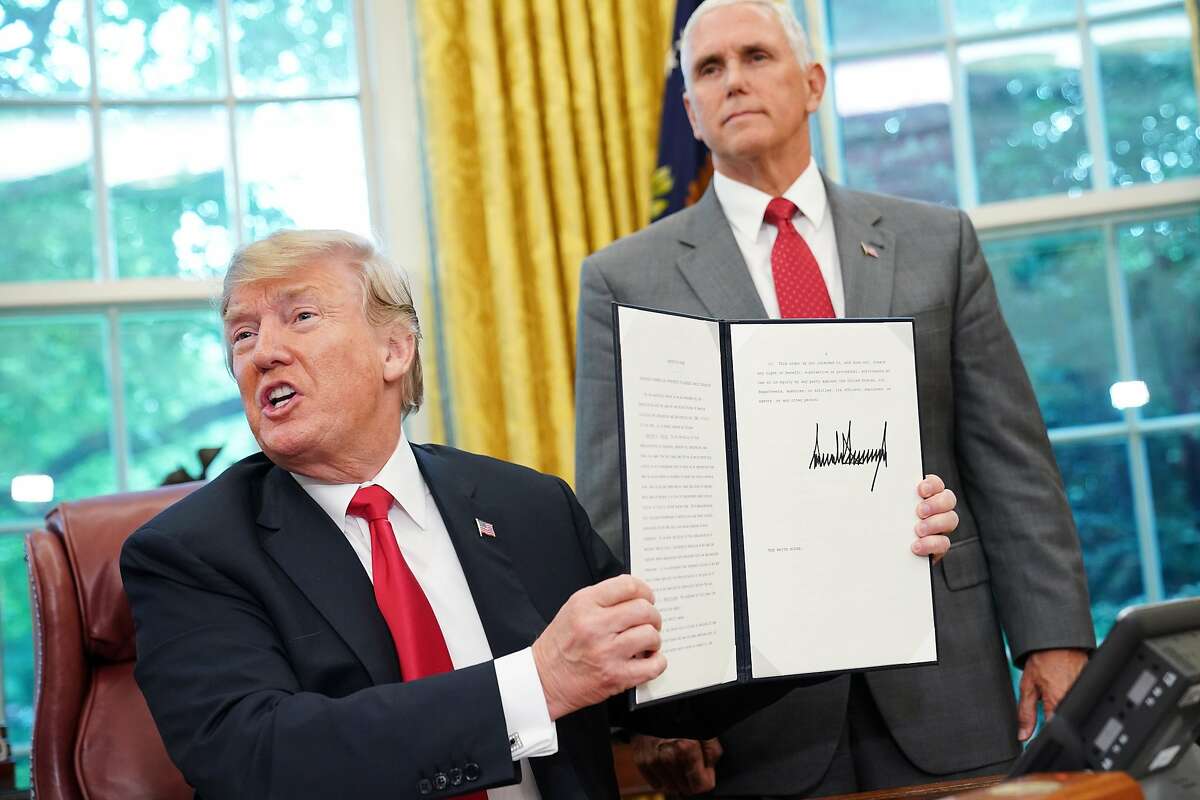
[[1027, 707], [1049, 706], [712, 751]]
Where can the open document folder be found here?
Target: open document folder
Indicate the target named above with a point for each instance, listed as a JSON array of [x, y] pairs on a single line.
[[768, 476]]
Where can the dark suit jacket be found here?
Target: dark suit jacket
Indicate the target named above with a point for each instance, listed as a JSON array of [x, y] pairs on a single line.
[[271, 674], [1015, 558]]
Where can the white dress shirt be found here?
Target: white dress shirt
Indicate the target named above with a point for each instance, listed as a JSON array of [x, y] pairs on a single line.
[[426, 547], [745, 206]]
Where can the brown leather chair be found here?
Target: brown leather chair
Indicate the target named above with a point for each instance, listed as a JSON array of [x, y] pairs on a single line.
[[93, 736]]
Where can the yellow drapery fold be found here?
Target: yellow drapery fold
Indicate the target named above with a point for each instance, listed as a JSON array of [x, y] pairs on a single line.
[[541, 128], [1193, 9]]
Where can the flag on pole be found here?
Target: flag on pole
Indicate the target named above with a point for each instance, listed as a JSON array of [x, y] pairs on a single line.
[[684, 167]]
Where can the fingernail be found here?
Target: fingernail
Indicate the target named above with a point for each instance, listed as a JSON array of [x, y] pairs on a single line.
[[923, 527], [916, 547], [925, 509], [926, 486]]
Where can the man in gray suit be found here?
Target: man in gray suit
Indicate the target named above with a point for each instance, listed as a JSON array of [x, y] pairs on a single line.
[[1015, 562]]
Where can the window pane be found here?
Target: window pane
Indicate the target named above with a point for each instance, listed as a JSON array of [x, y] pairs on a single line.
[[54, 376], [977, 15], [1175, 478], [179, 396], [895, 115], [164, 48], [1161, 263], [1026, 110], [1149, 98], [293, 48], [165, 169], [856, 23], [18, 638], [47, 178], [42, 48], [1096, 476], [302, 164], [1054, 293]]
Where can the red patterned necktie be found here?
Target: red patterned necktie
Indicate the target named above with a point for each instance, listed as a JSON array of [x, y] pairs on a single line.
[[799, 287], [410, 618]]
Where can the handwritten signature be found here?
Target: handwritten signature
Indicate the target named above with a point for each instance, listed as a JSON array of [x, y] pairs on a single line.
[[844, 453]]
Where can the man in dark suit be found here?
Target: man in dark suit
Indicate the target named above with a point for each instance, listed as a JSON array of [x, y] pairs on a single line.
[[349, 615], [771, 237]]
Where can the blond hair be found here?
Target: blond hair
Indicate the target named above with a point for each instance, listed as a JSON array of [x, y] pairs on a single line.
[[387, 298]]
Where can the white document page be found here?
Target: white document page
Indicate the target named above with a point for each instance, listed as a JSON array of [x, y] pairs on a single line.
[[829, 496], [678, 492]]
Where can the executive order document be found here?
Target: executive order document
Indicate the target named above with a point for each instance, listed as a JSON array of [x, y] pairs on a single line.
[[769, 473]]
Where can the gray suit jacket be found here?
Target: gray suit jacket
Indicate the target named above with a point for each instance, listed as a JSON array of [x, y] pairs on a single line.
[[1015, 559]]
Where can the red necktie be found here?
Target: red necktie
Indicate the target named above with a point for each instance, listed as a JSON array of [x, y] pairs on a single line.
[[415, 629], [799, 287]]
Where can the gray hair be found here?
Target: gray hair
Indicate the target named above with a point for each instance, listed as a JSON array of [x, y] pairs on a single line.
[[782, 11], [387, 298]]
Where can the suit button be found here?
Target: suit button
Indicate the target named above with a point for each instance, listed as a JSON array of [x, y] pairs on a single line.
[[424, 786], [471, 771], [456, 776], [440, 781]]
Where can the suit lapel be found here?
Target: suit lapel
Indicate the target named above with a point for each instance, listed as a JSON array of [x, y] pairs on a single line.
[[510, 620], [306, 545], [867, 280], [714, 267]]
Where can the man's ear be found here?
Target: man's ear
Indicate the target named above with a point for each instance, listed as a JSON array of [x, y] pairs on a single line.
[[815, 76], [687, 106], [401, 349]]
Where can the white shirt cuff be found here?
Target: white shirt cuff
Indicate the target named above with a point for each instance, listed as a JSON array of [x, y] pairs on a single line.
[[531, 732]]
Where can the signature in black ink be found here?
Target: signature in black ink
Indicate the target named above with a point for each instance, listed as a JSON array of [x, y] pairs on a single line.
[[845, 454]]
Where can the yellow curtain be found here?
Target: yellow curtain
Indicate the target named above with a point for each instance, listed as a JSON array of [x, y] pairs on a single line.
[[1194, 14], [541, 127]]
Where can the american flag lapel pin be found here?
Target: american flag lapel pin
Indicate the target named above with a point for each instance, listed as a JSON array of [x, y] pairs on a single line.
[[868, 250], [485, 528]]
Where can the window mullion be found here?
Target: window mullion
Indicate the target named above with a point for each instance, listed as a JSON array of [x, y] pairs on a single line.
[[960, 118], [233, 181], [1147, 528], [116, 391], [367, 116], [1093, 102], [103, 238], [1139, 466], [1175, 422]]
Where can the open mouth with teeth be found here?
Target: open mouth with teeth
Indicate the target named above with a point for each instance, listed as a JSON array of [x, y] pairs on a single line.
[[280, 396]]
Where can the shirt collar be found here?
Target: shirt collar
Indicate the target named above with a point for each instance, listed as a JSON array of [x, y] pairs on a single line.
[[400, 476], [745, 206]]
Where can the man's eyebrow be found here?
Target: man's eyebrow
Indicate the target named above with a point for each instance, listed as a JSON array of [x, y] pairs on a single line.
[[296, 291], [754, 47], [699, 64], [715, 58], [233, 312]]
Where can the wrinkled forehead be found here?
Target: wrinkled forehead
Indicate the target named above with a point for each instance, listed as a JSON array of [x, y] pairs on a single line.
[[738, 25], [253, 298], [323, 284]]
